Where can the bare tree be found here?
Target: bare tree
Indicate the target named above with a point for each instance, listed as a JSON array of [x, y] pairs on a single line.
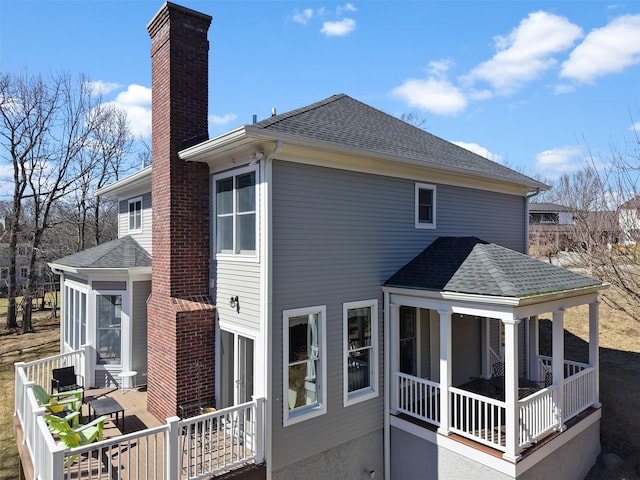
[[49, 130]]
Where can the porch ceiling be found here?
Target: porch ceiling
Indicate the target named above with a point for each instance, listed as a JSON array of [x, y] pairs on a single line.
[[472, 266]]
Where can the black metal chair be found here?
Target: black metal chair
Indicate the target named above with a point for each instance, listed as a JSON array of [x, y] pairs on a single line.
[[65, 379]]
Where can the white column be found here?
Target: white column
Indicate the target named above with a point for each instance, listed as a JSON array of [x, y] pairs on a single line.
[[594, 345], [445, 370], [558, 363], [511, 390], [485, 335], [394, 356], [534, 349]]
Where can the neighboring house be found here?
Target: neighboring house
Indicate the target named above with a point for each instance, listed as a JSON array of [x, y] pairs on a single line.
[[551, 227], [629, 221], [344, 266]]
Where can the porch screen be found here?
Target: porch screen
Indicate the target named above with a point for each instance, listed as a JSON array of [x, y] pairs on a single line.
[[109, 313], [304, 355]]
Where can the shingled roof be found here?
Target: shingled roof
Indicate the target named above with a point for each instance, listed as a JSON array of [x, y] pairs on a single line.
[[342, 120], [473, 266], [122, 252]]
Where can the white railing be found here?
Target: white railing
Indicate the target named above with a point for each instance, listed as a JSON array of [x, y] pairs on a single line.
[[545, 365], [193, 448], [418, 397], [538, 415], [579, 392], [479, 418]]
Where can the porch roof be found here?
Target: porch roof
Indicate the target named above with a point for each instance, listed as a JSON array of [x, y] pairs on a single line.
[[472, 266], [122, 252]]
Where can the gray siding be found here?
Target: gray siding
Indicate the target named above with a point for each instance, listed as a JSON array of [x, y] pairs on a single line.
[[241, 279], [466, 347], [337, 236], [141, 292], [144, 238]]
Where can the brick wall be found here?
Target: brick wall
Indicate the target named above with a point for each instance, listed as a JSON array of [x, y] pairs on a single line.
[[180, 311]]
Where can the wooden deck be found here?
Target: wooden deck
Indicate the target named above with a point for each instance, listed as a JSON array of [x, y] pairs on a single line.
[[205, 446]]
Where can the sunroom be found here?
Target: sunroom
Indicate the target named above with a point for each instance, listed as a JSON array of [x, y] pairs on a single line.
[[465, 351]]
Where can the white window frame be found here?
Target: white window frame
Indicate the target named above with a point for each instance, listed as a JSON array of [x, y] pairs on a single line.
[[418, 223], [293, 416], [130, 214], [357, 396], [214, 216]]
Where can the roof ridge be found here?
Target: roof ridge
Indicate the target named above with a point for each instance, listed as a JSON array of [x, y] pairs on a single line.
[[275, 119], [495, 271]]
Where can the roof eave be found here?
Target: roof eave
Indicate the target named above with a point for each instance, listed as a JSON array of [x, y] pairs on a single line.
[[135, 181], [59, 268]]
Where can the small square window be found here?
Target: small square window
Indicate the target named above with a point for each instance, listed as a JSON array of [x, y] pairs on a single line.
[[425, 205]]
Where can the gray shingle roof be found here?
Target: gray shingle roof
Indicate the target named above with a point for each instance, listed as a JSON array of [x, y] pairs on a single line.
[[473, 266], [343, 120], [122, 252]]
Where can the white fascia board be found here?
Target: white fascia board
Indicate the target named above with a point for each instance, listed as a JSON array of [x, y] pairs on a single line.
[[58, 268], [245, 139], [138, 182]]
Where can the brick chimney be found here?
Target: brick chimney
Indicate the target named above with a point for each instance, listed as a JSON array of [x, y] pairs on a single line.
[[180, 311]]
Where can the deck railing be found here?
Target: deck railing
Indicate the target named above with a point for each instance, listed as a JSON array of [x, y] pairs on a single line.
[[579, 392], [570, 367], [538, 415], [418, 397], [478, 417], [192, 448]]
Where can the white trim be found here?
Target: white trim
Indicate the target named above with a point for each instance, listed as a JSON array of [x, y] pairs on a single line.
[[320, 407], [129, 202], [357, 396], [232, 256]]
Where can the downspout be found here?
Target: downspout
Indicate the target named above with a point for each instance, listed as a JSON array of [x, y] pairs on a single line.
[[267, 301], [526, 219]]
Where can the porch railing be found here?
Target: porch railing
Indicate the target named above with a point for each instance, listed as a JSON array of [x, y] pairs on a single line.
[[418, 397], [477, 417], [538, 415], [570, 367], [193, 448], [483, 419]]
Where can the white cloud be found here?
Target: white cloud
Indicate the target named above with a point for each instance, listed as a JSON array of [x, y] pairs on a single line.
[[479, 150], [526, 52], [136, 102], [338, 28], [432, 94], [606, 50], [348, 7], [303, 17], [103, 88], [222, 120], [558, 161]]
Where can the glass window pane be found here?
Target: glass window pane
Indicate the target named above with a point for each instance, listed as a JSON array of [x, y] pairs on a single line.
[[224, 234], [246, 192], [359, 370], [224, 196], [425, 205], [298, 347], [359, 327], [246, 235]]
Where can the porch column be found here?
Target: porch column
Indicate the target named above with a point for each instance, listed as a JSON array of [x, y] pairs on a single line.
[[534, 349], [485, 335], [445, 370], [558, 363], [394, 357], [511, 389], [594, 352]]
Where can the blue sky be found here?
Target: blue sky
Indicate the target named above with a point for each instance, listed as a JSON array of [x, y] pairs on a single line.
[[532, 85]]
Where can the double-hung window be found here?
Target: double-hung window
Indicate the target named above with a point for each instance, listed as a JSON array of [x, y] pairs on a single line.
[[305, 359], [360, 332], [109, 328], [425, 205], [235, 209], [135, 215]]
